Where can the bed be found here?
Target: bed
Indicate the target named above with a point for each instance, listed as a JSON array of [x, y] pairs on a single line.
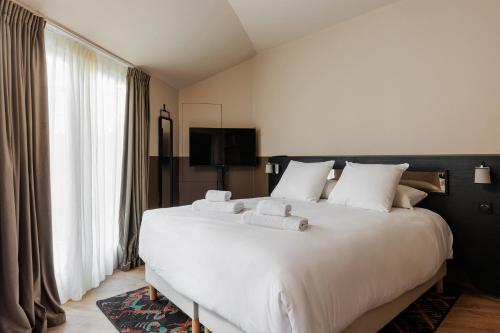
[[353, 270]]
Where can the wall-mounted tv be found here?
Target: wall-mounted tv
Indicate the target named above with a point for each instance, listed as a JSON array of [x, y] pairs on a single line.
[[222, 146]]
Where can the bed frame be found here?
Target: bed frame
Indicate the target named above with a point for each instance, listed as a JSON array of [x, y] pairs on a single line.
[[372, 321]]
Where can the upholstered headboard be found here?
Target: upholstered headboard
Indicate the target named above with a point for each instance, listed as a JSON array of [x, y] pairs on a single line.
[[476, 233]]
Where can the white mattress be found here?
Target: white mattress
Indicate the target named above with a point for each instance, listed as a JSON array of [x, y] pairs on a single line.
[[262, 280]]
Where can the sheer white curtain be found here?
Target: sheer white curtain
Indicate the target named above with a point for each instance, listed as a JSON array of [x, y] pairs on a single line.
[[86, 107]]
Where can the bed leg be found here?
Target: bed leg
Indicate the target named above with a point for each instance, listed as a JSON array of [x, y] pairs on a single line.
[[207, 330], [440, 286], [153, 293], [195, 326]]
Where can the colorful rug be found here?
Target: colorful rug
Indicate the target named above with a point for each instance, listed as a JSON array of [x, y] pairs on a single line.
[[133, 312]]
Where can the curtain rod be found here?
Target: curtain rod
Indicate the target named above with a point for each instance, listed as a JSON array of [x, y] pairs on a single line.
[[61, 28]]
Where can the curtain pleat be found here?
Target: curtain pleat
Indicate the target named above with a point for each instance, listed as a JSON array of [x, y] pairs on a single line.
[[86, 109], [29, 300], [135, 172]]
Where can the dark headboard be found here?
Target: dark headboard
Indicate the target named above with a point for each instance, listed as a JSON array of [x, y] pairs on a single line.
[[477, 234]]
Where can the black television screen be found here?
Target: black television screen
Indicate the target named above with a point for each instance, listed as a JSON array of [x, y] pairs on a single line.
[[222, 146], [205, 146]]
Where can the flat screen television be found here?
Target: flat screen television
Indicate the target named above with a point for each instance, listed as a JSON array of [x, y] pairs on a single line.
[[222, 146]]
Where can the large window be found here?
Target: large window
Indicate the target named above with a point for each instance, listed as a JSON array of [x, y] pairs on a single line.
[[87, 107]]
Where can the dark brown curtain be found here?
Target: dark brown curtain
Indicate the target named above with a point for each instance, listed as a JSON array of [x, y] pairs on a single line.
[[135, 172], [28, 294]]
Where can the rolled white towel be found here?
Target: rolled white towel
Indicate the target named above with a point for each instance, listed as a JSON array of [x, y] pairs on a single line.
[[295, 223], [232, 207], [272, 207], [213, 195]]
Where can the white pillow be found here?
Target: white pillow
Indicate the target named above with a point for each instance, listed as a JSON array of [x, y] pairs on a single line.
[[369, 186], [303, 181], [408, 197]]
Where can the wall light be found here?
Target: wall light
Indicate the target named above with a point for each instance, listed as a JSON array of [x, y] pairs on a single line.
[[276, 168], [482, 174], [269, 168], [272, 167]]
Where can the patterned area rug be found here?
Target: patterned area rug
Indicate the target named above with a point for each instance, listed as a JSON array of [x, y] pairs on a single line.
[[133, 312]]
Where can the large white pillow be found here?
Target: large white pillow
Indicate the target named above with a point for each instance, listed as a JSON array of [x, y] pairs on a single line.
[[408, 197], [369, 186], [303, 181]]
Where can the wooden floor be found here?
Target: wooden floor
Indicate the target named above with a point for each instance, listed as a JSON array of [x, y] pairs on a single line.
[[473, 313], [85, 316]]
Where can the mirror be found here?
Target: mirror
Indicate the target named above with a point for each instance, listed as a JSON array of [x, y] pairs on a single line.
[[166, 137], [165, 160]]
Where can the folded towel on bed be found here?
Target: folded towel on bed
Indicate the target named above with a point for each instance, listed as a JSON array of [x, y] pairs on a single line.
[[296, 223], [213, 195], [218, 206], [272, 207]]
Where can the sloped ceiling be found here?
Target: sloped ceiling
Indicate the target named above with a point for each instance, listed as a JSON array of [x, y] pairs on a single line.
[[185, 41], [269, 23]]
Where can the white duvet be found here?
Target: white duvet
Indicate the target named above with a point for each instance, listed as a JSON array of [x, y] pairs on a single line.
[[348, 262]]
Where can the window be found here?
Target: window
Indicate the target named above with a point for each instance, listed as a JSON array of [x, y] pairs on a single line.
[[86, 108]]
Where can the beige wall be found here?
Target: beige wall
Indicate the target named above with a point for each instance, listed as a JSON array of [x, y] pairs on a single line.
[[161, 93], [416, 77], [231, 89]]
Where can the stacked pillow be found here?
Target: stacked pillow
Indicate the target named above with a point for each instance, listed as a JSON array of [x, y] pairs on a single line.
[[328, 188], [369, 186], [405, 197], [408, 197]]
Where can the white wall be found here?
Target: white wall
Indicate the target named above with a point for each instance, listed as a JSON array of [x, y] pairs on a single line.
[[416, 77], [231, 88], [161, 93]]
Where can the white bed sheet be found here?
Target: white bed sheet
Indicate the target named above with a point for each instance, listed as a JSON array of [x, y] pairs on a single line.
[[348, 262]]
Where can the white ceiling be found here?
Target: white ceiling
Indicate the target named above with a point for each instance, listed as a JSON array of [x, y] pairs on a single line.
[[179, 41], [184, 41], [269, 23]]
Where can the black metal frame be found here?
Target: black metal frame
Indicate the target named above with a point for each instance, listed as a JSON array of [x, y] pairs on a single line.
[[169, 160], [221, 175]]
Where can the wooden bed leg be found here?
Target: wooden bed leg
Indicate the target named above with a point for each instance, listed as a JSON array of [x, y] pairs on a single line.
[[440, 286], [195, 326], [153, 293], [207, 330]]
